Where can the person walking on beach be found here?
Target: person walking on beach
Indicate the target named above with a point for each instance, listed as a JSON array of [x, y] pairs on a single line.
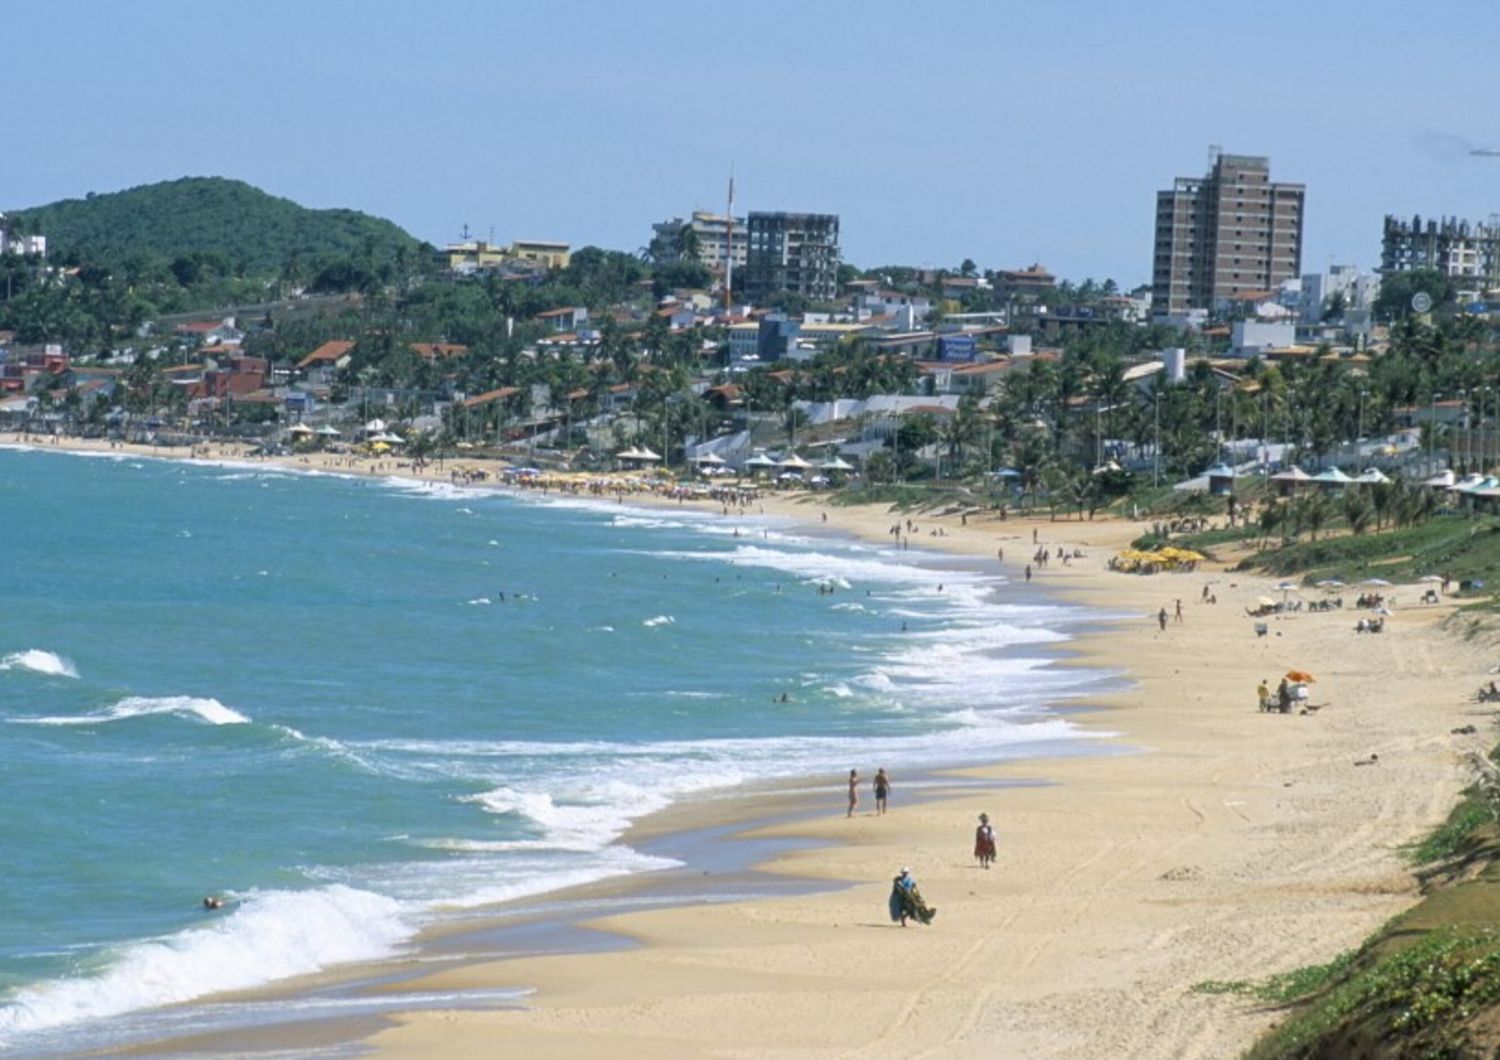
[[882, 789], [906, 901], [1028, 574], [1179, 610], [1161, 619], [984, 842], [853, 792], [1263, 693]]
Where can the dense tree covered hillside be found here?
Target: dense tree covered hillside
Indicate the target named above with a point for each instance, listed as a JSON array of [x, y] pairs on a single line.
[[256, 232]]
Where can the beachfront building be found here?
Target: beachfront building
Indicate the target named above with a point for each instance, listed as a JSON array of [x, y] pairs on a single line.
[[1468, 254], [1228, 232], [792, 253], [714, 239]]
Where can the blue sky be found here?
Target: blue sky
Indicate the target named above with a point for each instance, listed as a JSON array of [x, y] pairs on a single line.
[[1005, 132]]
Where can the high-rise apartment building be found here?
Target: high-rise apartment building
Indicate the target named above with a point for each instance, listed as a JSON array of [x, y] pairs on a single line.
[[796, 253], [1468, 254], [718, 237], [1228, 232]]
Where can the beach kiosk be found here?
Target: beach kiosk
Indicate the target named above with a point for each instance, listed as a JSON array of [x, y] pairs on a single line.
[[1220, 480], [1332, 479], [1288, 481], [758, 463]]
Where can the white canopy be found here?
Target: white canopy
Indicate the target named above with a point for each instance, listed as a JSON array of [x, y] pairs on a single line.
[[1332, 476], [836, 463], [1443, 479], [1291, 474], [376, 426], [795, 462], [709, 458], [1372, 476], [328, 430], [299, 428], [760, 460]]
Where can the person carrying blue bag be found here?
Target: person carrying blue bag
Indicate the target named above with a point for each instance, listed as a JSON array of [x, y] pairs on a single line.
[[906, 901]]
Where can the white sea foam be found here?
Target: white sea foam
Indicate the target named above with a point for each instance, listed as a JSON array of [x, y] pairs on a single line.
[[478, 601], [39, 661], [268, 936], [207, 710], [659, 620]]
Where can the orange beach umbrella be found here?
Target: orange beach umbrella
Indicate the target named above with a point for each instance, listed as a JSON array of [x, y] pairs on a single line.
[[1300, 677]]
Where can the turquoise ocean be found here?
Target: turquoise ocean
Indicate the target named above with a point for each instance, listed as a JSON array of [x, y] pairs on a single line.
[[357, 707]]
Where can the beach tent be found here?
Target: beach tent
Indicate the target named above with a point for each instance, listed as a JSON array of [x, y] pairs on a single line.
[[647, 455], [1442, 480], [836, 463], [300, 428], [328, 430], [375, 426], [712, 459], [1372, 476], [794, 462]]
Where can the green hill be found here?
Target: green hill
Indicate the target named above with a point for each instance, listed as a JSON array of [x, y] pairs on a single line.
[[209, 215]]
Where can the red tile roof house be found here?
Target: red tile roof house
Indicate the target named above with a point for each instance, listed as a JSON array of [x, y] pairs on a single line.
[[568, 318], [211, 332]]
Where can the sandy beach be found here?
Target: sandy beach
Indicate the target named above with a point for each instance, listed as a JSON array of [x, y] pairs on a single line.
[[1220, 843]]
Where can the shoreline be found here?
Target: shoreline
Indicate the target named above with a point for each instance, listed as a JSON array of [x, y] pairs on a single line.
[[1241, 844]]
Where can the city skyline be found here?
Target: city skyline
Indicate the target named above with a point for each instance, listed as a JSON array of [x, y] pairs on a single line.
[[1005, 135]]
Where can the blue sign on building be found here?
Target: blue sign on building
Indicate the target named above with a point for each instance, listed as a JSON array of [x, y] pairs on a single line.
[[961, 348]]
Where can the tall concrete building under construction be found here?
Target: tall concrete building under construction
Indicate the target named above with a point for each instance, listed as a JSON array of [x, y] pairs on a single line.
[[1467, 253], [795, 253], [1227, 233]]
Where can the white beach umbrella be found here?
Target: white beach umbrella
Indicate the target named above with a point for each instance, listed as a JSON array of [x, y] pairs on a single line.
[[1376, 581], [300, 428], [328, 430]]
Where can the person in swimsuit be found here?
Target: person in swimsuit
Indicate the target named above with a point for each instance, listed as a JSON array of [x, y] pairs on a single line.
[[882, 789], [853, 792]]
